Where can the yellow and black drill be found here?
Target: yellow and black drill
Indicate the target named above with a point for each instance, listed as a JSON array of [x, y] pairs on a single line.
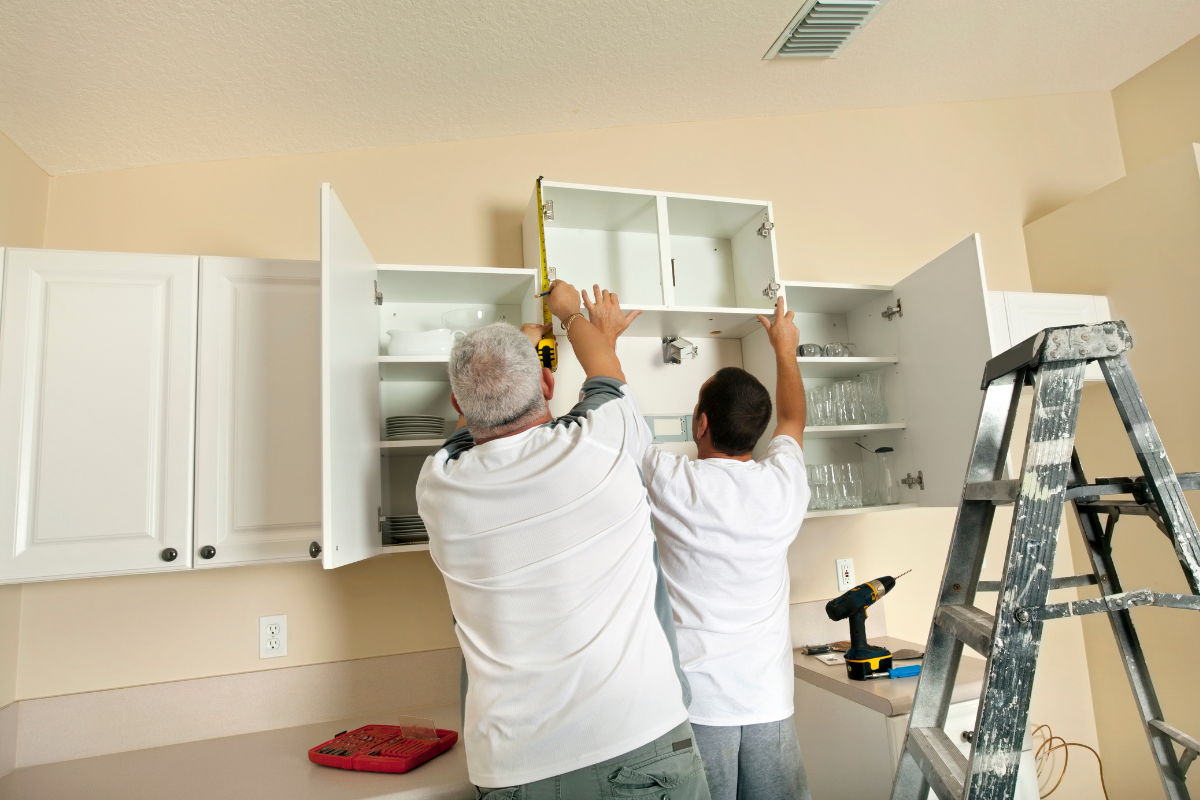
[[863, 660]]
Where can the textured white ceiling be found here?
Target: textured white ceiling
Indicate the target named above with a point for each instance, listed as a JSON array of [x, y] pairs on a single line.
[[103, 84]]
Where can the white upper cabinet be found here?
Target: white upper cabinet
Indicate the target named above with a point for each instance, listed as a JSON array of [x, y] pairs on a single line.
[[695, 265], [1018, 315], [258, 415], [944, 343], [97, 388], [350, 482]]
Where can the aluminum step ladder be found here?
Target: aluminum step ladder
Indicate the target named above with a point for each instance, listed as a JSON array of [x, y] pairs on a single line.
[[1052, 362]]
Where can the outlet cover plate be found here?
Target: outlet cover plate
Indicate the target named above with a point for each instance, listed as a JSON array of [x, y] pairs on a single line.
[[272, 636], [845, 574]]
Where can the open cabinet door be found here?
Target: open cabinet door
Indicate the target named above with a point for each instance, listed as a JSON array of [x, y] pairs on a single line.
[[350, 489], [944, 344]]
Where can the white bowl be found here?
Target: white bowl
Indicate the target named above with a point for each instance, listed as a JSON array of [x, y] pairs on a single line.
[[469, 319], [436, 342]]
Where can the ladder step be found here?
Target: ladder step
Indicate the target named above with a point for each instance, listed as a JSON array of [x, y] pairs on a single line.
[[998, 492], [1191, 747], [969, 625], [1068, 582], [943, 765]]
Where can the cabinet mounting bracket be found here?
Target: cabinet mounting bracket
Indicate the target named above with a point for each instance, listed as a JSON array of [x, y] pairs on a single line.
[[378, 295], [382, 518], [893, 311], [772, 290], [918, 481], [675, 348]]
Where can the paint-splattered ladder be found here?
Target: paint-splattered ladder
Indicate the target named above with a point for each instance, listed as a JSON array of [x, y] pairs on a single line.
[[1053, 362]]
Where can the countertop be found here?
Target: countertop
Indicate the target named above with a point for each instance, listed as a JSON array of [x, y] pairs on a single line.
[[886, 695], [268, 764]]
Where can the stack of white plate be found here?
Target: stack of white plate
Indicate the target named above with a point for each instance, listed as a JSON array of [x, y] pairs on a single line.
[[415, 426], [404, 530]]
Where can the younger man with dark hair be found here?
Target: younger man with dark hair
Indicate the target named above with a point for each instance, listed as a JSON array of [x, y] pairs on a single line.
[[724, 524]]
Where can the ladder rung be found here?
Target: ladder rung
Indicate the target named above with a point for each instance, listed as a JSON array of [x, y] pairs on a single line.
[[969, 625], [1179, 736], [998, 492], [1119, 602], [943, 765], [1068, 582], [1191, 747], [1188, 481]]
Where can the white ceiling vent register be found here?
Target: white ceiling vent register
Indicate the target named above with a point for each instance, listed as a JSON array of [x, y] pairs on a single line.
[[823, 27]]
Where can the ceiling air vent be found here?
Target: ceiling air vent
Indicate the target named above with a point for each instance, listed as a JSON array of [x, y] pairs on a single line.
[[822, 28]]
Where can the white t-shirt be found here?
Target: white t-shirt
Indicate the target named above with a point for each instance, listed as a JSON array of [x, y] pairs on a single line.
[[724, 527], [545, 542]]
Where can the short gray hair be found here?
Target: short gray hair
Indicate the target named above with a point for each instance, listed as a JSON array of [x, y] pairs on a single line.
[[496, 377]]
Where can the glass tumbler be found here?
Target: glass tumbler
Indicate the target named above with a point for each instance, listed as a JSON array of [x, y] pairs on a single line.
[[850, 409], [839, 349], [871, 389]]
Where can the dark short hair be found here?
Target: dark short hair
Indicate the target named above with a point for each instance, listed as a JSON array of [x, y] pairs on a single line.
[[738, 407]]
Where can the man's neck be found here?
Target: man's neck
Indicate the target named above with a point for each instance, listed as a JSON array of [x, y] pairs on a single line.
[[707, 452], [521, 427]]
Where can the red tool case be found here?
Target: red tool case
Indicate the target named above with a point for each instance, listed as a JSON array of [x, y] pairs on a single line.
[[380, 748]]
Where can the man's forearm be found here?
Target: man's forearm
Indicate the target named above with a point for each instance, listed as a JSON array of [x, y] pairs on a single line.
[[790, 403], [596, 352]]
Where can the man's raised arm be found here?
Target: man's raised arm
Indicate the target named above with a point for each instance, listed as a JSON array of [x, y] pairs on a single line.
[[790, 405], [593, 340]]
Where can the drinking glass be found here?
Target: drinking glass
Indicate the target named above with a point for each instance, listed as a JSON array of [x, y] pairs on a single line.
[[854, 475], [810, 351], [871, 390], [839, 349], [849, 403], [870, 483]]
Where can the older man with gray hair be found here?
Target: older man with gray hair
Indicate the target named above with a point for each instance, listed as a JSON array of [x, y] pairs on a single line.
[[541, 528]]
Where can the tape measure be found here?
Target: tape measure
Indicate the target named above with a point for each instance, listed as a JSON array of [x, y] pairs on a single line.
[[547, 348]]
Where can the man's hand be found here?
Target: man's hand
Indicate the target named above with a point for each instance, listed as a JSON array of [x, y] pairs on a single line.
[[605, 313], [782, 333], [563, 300], [535, 333]]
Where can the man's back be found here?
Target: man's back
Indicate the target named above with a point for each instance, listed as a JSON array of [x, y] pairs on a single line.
[[724, 526], [544, 539]]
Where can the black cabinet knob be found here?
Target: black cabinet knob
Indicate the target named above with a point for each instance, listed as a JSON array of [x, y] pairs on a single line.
[[169, 554], [208, 551], [314, 550]]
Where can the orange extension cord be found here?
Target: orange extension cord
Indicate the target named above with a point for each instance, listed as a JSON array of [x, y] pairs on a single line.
[[1042, 755]]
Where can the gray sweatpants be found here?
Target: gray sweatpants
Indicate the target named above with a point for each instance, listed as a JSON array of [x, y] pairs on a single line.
[[753, 762]]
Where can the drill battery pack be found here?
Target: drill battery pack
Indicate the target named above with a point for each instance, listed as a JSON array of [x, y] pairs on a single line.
[[863, 662]]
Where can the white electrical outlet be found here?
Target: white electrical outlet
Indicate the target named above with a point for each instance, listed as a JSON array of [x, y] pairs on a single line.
[[845, 574], [272, 636]]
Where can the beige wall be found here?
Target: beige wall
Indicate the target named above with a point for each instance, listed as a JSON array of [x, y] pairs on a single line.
[[861, 196], [23, 197], [1158, 110], [23, 191], [1138, 242]]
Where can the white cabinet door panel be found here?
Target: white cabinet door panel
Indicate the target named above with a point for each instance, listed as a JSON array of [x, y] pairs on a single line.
[[944, 344], [258, 416], [97, 388], [350, 487], [1030, 312]]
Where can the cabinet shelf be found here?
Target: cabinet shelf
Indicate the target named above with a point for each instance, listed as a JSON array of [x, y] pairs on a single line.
[[842, 367], [410, 447], [847, 431], [830, 298], [842, 512], [413, 368], [417, 547], [466, 285], [705, 323]]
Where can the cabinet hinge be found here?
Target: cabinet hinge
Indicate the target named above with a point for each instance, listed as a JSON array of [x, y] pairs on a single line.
[[676, 348], [382, 518], [918, 481], [548, 210], [765, 229], [772, 290], [378, 295], [893, 311]]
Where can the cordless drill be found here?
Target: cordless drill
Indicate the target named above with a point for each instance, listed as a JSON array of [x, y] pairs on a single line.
[[862, 660]]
